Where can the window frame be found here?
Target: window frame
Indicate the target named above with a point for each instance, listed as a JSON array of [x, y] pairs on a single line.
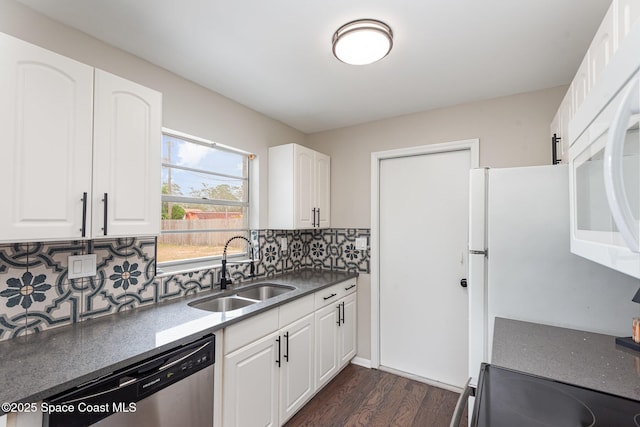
[[190, 264]]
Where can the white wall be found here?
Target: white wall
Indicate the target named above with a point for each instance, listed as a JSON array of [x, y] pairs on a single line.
[[533, 276], [187, 107], [513, 131]]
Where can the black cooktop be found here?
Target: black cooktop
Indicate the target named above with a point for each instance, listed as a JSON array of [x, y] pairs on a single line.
[[507, 398]]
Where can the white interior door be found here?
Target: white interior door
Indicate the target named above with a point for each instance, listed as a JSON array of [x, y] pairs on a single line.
[[423, 223]]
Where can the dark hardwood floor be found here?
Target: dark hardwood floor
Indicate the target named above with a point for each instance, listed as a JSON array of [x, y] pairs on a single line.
[[368, 397]]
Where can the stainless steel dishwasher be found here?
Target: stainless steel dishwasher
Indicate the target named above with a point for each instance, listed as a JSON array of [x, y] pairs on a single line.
[[171, 389]]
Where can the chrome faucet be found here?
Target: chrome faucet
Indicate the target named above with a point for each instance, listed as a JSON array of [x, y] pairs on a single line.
[[223, 272]]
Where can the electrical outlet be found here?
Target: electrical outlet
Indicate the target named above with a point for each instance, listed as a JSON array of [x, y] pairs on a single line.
[[361, 243], [82, 266], [283, 244]]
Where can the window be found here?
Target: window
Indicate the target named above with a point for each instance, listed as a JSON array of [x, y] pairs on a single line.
[[205, 199]]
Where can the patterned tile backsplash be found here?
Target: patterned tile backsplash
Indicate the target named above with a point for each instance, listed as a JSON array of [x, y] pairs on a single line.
[[36, 293]]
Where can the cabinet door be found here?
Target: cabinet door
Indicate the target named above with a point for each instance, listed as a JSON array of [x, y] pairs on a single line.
[[580, 84], [46, 119], [348, 329], [304, 186], [560, 127], [250, 390], [565, 114], [323, 189], [326, 343], [127, 146], [602, 48], [297, 371], [628, 13]]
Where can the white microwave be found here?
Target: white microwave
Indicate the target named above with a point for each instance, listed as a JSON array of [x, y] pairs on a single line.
[[604, 168]]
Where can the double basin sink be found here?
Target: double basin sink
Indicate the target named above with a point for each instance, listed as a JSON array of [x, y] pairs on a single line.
[[242, 297]]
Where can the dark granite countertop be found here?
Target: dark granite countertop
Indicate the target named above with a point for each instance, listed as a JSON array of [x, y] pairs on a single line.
[[40, 365], [583, 358]]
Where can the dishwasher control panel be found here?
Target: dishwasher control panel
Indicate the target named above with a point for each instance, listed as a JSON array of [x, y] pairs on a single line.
[[180, 366]]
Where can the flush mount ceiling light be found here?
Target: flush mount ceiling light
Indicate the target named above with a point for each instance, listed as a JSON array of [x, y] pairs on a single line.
[[362, 42]]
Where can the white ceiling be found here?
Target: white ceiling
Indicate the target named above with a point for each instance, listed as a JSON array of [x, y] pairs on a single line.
[[274, 56]]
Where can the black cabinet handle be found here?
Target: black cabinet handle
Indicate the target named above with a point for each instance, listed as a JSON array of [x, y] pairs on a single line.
[[554, 149], [278, 359], [463, 283], [330, 296], [342, 312], [338, 322], [286, 346], [318, 210], [314, 217], [84, 214], [105, 200], [350, 287]]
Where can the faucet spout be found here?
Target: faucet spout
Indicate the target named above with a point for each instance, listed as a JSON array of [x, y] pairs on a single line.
[[223, 271]]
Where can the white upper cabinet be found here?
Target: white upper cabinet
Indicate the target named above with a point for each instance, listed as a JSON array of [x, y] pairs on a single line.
[[72, 134], [580, 84], [628, 13], [126, 153], [46, 113], [323, 190], [560, 127], [613, 30], [299, 188], [603, 46]]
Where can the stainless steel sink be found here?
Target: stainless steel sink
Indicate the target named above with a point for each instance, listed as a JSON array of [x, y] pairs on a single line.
[[244, 297], [221, 304], [264, 291]]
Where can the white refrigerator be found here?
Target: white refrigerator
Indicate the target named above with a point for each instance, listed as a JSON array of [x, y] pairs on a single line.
[[520, 265]]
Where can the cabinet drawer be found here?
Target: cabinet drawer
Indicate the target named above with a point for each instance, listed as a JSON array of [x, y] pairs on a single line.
[[295, 310], [249, 330], [335, 292], [348, 287], [328, 295]]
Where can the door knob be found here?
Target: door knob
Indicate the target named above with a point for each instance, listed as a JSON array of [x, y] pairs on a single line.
[[463, 283]]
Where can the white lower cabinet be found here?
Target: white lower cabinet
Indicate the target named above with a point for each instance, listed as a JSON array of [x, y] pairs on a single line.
[[276, 361], [335, 338], [326, 344], [347, 333], [296, 366], [250, 389], [267, 380]]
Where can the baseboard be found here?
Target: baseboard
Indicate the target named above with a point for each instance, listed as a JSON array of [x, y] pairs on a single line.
[[360, 361], [428, 381]]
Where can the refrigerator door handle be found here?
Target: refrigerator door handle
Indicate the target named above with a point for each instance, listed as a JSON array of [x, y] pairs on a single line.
[[474, 252]]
